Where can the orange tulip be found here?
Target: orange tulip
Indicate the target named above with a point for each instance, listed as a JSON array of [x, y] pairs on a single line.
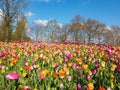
[[55, 74], [13, 60], [62, 73], [89, 72], [69, 63], [90, 86], [113, 66]]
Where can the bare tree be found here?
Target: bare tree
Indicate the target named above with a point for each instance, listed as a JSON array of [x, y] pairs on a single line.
[[99, 32], [76, 28], [63, 34], [93, 29], [11, 10], [37, 32], [113, 36], [52, 30]]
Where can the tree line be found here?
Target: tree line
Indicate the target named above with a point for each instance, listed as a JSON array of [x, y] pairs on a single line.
[[77, 30], [14, 26]]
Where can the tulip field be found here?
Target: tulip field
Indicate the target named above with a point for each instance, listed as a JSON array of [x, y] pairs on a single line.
[[59, 66]]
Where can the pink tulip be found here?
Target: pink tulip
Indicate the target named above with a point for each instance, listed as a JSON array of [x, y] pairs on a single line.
[[88, 78], [2, 54], [79, 87], [68, 55], [42, 76], [69, 78], [26, 88], [2, 67], [108, 88], [33, 62], [94, 71], [74, 65], [12, 76], [57, 64], [39, 69]]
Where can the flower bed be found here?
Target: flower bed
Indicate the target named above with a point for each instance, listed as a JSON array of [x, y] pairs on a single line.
[[59, 66]]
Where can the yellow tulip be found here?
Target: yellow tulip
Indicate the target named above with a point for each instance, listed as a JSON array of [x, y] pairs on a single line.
[[35, 89], [0, 61], [37, 65], [11, 64], [111, 84], [24, 74], [21, 69], [6, 68], [102, 64], [3, 71], [90, 86]]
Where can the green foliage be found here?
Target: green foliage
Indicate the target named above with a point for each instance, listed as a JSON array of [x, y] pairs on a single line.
[[4, 31], [20, 32]]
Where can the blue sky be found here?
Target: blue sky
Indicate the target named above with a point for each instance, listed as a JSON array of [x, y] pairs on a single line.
[[106, 11]]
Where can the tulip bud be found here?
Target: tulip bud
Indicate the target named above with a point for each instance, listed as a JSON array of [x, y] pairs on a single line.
[[69, 78], [79, 74], [42, 76], [79, 87], [57, 64], [26, 88], [108, 88], [88, 78], [68, 55], [61, 85]]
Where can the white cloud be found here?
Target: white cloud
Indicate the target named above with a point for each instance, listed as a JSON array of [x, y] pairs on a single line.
[[29, 14], [44, 22], [41, 22]]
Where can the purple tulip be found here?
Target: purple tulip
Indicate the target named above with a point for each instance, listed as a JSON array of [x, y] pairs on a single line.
[[79, 74], [97, 66]]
